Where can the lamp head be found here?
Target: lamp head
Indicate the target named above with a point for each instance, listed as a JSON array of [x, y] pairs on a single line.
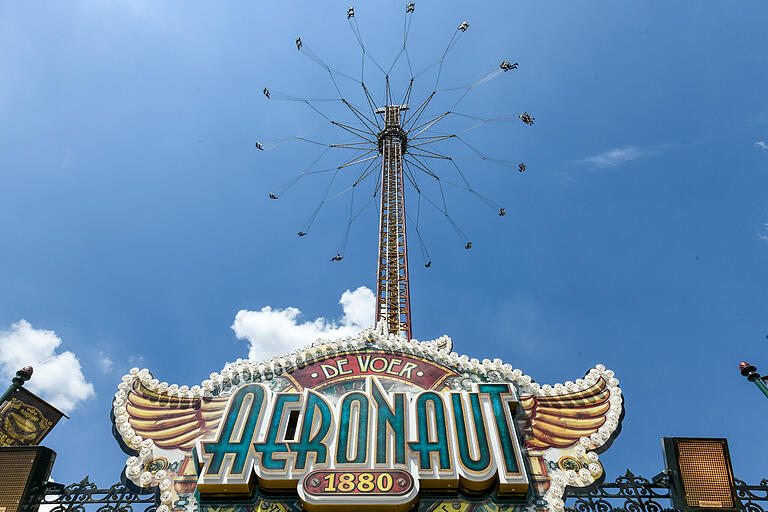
[[23, 375], [746, 368]]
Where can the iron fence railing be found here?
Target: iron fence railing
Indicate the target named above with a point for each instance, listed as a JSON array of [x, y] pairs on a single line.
[[628, 493], [632, 493]]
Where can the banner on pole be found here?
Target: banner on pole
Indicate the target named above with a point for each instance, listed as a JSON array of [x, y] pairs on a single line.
[[25, 418]]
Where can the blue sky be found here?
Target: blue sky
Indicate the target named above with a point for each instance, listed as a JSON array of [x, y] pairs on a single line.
[[136, 224]]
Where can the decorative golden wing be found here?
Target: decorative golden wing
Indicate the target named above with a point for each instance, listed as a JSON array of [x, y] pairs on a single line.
[[172, 422], [560, 421]]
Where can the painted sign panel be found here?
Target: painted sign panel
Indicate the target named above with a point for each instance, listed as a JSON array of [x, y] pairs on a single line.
[[366, 423], [418, 372], [25, 419]]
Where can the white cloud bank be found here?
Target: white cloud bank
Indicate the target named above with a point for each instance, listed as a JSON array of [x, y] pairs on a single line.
[[760, 144], [277, 331], [57, 377], [617, 156]]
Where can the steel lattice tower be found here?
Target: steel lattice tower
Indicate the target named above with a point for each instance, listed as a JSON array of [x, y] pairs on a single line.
[[393, 304]]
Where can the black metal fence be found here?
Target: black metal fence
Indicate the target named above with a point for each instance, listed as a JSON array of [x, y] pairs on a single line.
[[85, 496], [631, 493], [628, 493]]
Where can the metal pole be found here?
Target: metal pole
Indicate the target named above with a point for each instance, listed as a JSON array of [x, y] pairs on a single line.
[[762, 386]]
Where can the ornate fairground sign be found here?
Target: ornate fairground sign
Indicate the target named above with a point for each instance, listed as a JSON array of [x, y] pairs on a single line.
[[363, 423]]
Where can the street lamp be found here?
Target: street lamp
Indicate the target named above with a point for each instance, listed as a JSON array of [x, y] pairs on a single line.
[[750, 372]]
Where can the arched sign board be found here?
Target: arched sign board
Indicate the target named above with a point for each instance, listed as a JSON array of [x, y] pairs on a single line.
[[373, 422]]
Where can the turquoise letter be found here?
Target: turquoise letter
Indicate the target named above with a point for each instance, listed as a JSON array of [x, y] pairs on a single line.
[[270, 446], [222, 446], [481, 464], [505, 433], [361, 447], [315, 405], [424, 447], [395, 419]]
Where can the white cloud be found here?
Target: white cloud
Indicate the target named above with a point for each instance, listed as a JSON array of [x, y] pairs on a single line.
[[760, 144], [136, 360], [105, 362], [57, 377], [271, 331], [617, 156], [763, 233]]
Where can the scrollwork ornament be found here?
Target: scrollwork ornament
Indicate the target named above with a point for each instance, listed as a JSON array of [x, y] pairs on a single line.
[[751, 506], [632, 493], [642, 505]]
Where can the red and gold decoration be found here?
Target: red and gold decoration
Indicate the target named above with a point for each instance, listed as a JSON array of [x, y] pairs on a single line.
[[351, 423]]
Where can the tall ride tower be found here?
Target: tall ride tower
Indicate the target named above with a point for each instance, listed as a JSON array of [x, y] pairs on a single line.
[[393, 304], [404, 143]]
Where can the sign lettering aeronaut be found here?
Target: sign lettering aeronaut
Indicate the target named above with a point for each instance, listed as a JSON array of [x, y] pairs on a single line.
[[459, 440]]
